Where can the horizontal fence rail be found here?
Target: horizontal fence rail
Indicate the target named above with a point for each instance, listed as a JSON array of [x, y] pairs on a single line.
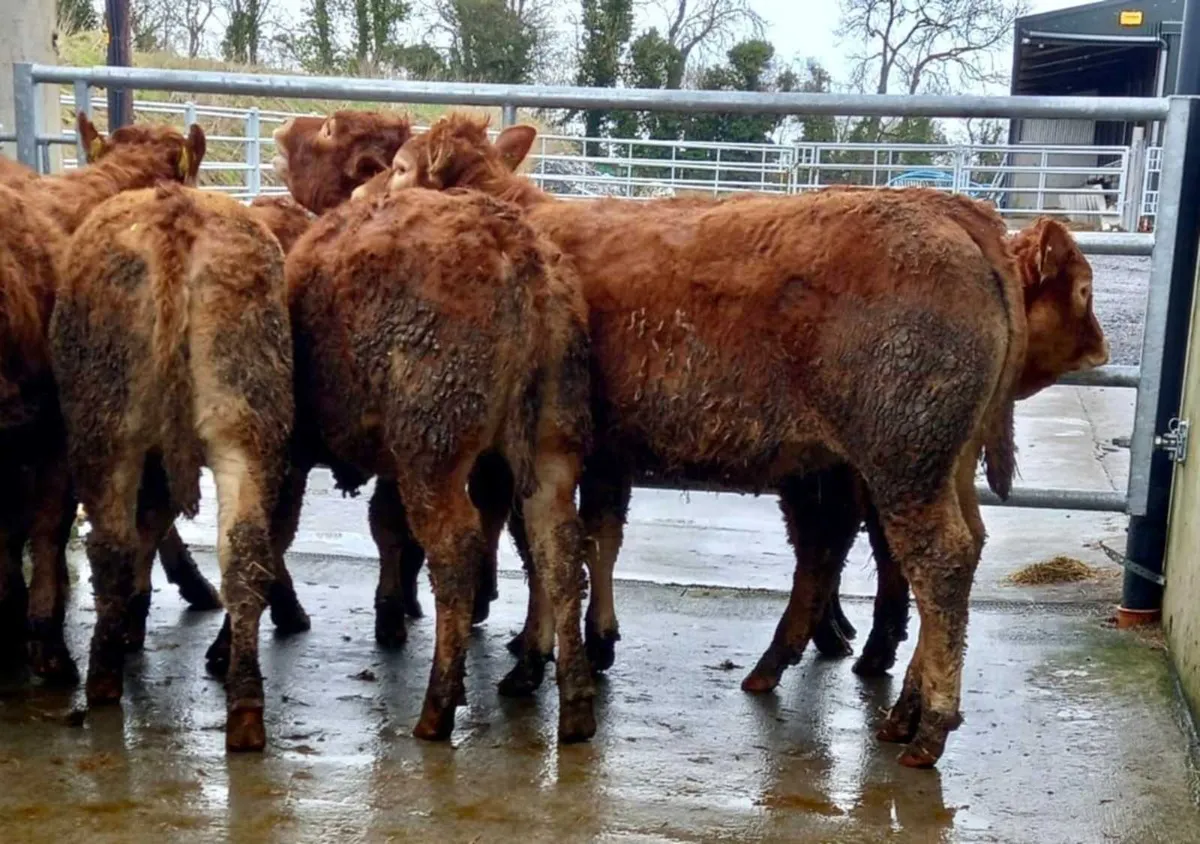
[[751, 167], [1088, 184], [639, 99]]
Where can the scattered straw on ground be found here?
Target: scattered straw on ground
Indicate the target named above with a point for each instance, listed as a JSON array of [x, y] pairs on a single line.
[[1057, 570]]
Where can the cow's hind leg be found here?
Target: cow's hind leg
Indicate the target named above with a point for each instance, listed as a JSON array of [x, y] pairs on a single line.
[[247, 573], [285, 519], [890, 625], [287, 614], [534, 645], [604, 508], [834, 631], [938, 547], [154, 517], [400, 560], [822, 515], [181, 571], [51, 531], [14, 596], [112, 550], [491, 490], [557, 545], [448, 527]]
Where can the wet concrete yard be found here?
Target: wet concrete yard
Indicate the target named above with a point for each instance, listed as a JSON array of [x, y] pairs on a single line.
[[1072, 734]]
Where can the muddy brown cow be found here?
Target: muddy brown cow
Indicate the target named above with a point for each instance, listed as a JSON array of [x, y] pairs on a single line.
[[1063, 336], [171, 344], [431, 330], [132, 157], [35, 505], [322, 160], [731, 365]]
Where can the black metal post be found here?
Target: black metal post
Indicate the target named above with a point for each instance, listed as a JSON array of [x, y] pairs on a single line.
[[1141, 598], [120, 54]]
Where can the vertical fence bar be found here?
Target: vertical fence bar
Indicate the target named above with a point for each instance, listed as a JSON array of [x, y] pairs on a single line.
[[253, 153], [508, 115], [25, 108], [83, 103], [189, 114], [1164, 348], [1041, 200]]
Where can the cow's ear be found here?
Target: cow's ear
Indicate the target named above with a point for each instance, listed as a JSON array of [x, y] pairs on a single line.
[[89, 138], [1055, 245], [514, 143], [366, 165], [194, 148]]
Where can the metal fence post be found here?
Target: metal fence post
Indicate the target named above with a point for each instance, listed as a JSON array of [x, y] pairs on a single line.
[[1164, 349], [25, 108], [508, 115], [189, 114], [83, 103], [253, 153]]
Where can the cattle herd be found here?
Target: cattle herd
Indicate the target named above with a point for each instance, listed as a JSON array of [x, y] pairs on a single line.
[[419, 313]]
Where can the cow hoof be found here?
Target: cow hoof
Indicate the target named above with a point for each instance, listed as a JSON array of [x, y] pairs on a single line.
[[244, 730], [412, 606], [897, 729], [601, 650], [390, 628], [760, 681], [831, 642], [576, 721], [104, 688], [874, 662], [216, 659], [436, 724], [200, 596], [289, 617], [52, 663], [915, 756], [526, 676]]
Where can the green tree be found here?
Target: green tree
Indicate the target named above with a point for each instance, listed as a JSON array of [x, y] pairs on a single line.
[[244, 32], [491, 40], [607, 28], [374, 26], [653, 63]]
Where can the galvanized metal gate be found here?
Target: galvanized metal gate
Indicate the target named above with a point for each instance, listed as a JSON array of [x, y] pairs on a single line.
[[1172, 246]]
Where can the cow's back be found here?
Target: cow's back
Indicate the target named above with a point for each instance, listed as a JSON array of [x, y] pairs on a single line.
[[730, 334]]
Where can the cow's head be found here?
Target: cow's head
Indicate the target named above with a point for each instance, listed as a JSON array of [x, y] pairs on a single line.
[[456, 153], [1064, 334], [323, 159], [158, 151]]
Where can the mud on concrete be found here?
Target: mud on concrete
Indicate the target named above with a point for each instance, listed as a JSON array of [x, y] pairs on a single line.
[[1072, 734]]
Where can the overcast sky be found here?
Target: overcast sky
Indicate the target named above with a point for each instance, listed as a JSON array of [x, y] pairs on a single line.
[[804, 28]]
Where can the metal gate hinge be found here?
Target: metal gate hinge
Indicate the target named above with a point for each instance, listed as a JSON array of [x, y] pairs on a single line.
[[1175, 441]]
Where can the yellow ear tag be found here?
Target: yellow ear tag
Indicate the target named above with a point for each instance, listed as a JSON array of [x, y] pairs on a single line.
[[185, 163], [94, 149]]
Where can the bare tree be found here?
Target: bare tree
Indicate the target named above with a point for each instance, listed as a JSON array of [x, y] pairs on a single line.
[[927, 46], [193, 18], [708, 26]]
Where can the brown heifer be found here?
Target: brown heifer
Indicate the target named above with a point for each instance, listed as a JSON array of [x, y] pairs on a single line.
[[35, 505], [53, 205], [322, 160], [171, 345], [1064, 336], [730, 364], [432, 330]]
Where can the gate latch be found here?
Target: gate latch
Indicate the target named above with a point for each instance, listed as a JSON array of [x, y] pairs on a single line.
[[1175, 441]]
